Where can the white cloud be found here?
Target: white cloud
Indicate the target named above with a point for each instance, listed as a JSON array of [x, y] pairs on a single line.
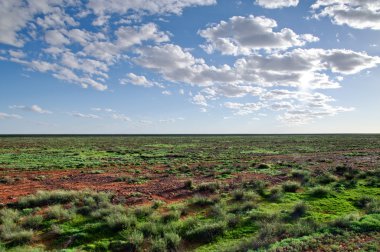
[[107, 110], [33, 108], [166, 92], [81, 115], [243, 108], [102, 7], [9, 116], [16, 15], [177, 65], [199, 99], [275, 4], [137, 80], [17, 54], [120, 117], [359, 14], [303, 68], [245, 35]]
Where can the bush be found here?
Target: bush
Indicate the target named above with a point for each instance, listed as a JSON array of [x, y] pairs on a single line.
[[33, 221], [326, 179], [159, 245], [119, 221], [188, 185], [208, 187], [341, 169], [142, 212], [57, 212], [238, 195], [368, 223], [43, 198], [242, 208], [202, 201], [217, 211], [320, 192], [206, 232], [301, 175], [373, 207], [133, 240], [170, 216], [157, 204], [7, 215], [264, 166], [290, 187], [299, 210], [257, 185], [274, 194], [18, 237], [343, 222], [364, 201], [172, 240], [10, 231], [232, 220]]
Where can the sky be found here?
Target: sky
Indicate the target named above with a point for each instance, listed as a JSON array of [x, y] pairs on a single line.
[[189, 66]]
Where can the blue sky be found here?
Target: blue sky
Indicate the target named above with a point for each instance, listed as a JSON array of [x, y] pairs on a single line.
[[189, 66]]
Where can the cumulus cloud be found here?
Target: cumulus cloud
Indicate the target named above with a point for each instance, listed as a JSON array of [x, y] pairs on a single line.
[[33, 108], [102, 7], [9, 116], [305, 70], [359, 14], [178, 65], [137, 80], [16, 15], [245, 35], [270, 4]]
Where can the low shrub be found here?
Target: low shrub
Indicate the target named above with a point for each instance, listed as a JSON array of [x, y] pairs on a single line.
[[157, 204], [159, 245], [242, 208], [206, 232], [119, 221], [320, 192], [57, 212], [341, 169], [188, 185], [211, 187], [217, 211], [202, 201], [290, 186], [275, 194], [301, 175], [326, 179], [238, 195], [258, 185], [133, 240], [172, 240], [170, 216], [264, 166], [33, 221], [363, 201], [298, 211]]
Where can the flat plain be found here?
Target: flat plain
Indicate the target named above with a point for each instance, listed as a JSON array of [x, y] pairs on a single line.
[[190, 193]]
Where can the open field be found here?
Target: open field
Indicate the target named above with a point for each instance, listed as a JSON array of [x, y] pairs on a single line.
[[190, 193]]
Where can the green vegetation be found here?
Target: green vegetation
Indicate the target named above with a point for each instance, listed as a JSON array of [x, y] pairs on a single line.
[[192, 193]]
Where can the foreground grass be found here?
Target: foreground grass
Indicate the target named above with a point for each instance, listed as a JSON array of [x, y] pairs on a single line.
[[305, 212]]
